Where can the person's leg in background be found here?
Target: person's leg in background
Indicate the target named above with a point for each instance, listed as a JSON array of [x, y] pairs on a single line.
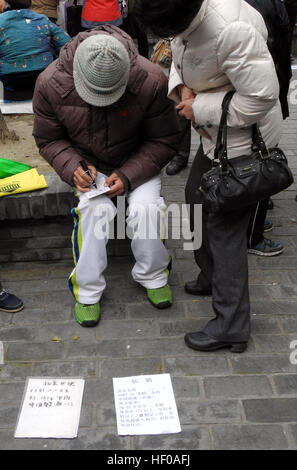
[[291, 6], [141, 37], [131, 27], [203, 256], [20, 86], [257, 243], [8, 302], [180, 160]]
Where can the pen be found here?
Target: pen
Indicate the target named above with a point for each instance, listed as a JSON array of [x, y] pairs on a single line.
[[87, 171]]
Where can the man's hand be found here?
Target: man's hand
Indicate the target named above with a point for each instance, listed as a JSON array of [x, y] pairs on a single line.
[[81, 180], [117, 186], [185, 109]]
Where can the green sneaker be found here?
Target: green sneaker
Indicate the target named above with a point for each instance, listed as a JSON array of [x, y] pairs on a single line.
[[160, 298], [87, 315]]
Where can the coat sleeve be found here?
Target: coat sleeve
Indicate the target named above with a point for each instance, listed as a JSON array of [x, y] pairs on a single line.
[[51, 136], [174, 82], [242, 54], [160, 131], [58, 36]]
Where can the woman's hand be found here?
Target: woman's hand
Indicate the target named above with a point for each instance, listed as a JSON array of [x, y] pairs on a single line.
[[185, 109]]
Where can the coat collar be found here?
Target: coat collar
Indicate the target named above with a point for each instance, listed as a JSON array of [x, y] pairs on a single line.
[[196, 21]]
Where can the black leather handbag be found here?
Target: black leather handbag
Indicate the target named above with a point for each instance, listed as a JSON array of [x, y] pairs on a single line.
[[241, 181]]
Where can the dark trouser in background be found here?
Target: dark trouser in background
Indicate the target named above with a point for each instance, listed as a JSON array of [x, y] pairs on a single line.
[[131, 27], [256, 225], [222, 259], [185, 140], [20, 86]]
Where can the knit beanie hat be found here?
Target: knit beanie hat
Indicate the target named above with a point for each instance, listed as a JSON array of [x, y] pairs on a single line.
[[101, 69]]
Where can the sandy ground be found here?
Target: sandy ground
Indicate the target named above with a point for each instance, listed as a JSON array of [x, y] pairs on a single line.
[[25, 149]]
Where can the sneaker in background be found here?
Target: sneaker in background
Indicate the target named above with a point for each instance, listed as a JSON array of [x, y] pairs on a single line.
[[266, 248], [10, 303], [268, 226]]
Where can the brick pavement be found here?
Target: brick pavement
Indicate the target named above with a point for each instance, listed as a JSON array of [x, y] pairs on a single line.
[[225, 401]]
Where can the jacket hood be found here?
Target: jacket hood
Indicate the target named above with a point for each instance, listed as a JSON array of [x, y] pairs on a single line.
[[62, 79]]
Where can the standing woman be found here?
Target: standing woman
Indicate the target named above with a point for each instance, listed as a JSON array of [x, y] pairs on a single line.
[[219, 46]]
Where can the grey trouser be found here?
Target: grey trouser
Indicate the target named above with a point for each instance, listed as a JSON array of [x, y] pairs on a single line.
[[222, 259]]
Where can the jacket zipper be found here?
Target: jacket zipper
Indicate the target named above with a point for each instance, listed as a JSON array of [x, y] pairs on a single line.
[[106, 128]]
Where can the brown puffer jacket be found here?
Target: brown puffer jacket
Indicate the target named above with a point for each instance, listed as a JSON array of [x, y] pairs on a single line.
[[137, 135]]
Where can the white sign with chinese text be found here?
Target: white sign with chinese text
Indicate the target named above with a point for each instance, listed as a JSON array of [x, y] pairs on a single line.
[[50, 408], [145, 404]]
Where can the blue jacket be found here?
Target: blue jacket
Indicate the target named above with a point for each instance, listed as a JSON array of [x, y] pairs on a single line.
[[27, 40]]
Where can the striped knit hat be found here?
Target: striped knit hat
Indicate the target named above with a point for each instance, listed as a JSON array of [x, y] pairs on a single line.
[[101, 69]]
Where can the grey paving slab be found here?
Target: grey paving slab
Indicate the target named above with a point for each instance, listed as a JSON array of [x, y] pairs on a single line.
[[271, 410], [237, 386], [191, 438], [248, 437]]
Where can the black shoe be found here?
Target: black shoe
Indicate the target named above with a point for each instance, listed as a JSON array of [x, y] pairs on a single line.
[[192, 287], [9, 302], [176, 165], [270, 205], [202, 342]]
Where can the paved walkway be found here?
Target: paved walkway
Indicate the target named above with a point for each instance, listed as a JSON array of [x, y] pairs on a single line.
[[225, 401]]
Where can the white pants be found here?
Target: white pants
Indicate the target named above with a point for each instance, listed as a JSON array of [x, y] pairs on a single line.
[[145, 223]]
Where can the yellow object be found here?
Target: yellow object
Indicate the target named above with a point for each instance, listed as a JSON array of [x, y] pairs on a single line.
[[22, 182]]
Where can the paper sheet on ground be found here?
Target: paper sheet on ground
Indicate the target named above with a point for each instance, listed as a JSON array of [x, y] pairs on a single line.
[[145, 404], [16, 107], [50, 408]]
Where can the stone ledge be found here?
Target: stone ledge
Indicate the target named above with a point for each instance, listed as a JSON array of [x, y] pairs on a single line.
[[58, 199], [47, 239]]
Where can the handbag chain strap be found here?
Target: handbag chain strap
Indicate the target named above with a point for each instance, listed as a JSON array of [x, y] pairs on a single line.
[[220, 153]]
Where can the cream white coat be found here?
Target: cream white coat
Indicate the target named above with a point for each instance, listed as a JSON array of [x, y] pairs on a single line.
[[225, 48]]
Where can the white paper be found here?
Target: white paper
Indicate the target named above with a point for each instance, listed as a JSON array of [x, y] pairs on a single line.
[[16, 107], [145, 404], [50, 407], [101, 189]]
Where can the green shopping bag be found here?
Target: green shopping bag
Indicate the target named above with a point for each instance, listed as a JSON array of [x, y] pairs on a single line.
[[10, 168]]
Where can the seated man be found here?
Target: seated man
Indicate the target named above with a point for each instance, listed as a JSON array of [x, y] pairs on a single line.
[[103, 103]]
